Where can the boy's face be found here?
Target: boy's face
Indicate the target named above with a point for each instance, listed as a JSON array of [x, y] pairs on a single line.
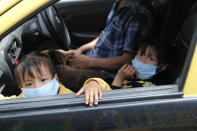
[[149, 57], [39, 79]]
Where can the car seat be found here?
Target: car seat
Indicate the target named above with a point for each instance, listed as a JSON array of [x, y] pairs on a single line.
[[177, 28]]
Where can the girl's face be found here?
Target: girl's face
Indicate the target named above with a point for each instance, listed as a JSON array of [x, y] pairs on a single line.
[[39, 79], [149, 56]]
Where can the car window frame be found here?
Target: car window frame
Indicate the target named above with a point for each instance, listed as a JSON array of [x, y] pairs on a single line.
[[189, 57], [114, 97]]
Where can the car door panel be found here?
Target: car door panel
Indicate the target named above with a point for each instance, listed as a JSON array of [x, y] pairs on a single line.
[[84, 19], [144, 115], [153, 109]]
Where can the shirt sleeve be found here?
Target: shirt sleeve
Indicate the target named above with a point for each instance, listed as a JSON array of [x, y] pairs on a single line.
[[64, 90], [102, 83], [133, 31]]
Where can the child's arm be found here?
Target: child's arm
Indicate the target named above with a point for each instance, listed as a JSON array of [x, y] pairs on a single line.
[[93, 88], [124, 73]]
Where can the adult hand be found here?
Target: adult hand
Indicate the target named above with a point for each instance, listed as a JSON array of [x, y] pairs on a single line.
[[79, 61], [65, 52], [64, 55], [126, 71], [77, 52], [92, 92]]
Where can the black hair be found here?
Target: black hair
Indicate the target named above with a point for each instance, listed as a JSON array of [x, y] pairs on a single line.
[[159, 46], [33, 60]]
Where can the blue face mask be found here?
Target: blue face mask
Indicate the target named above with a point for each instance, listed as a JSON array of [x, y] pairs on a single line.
[[49, 89], [144, 71]]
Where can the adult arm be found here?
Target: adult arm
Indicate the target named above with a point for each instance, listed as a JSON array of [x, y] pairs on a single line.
[[111, 64], [77, 52], [86, 47]]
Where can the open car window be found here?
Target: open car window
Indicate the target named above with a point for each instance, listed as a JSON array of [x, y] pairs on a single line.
[[135, 108]]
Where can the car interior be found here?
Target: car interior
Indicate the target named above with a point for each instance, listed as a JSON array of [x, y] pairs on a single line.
[[57, 28]]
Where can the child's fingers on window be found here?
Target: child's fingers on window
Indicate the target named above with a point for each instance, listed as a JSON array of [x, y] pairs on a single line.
[[100, 94], [95, 97], [87, 96], [91, 98]]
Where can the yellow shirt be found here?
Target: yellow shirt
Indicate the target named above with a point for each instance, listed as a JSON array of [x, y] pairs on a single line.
[[102, 83]]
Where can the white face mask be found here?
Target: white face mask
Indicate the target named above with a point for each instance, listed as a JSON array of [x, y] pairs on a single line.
[[49, 89]]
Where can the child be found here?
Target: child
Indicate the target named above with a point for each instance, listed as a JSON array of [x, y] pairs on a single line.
[[150, 60], [36, 76]]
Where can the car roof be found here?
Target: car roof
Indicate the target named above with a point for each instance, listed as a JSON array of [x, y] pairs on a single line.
[[12, 12], [6, 4]]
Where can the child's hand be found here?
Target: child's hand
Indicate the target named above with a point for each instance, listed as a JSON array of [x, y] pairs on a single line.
[[124, 73], [92, 92]]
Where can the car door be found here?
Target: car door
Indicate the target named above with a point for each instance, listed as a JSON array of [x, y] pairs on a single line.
[[119, 110], [85, 19]]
